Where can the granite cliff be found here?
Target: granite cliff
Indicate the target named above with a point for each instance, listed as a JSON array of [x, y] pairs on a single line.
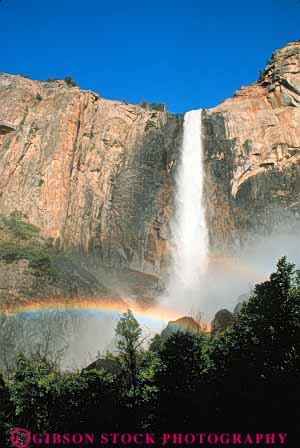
[[253, 156], [93, 175], [96, 176]]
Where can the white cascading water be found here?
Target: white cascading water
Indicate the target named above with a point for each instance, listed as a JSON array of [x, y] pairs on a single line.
[[189, 229]]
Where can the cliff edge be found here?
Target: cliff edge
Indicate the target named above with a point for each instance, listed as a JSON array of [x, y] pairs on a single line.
[[253, 156]]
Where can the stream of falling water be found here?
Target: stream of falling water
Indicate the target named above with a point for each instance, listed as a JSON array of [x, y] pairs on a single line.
[[189, 229]]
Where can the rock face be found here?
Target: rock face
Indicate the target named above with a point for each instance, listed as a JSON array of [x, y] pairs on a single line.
[[30, 268], [222, 320], [97, 176], [184, 324], [92, 174], [253, 155]]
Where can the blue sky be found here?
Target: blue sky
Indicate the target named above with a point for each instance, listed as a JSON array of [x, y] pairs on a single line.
[[188, 54]]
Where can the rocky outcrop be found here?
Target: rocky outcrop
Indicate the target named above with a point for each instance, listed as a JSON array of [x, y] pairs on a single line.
[[111, 366], [253, 155], [30, 268], [222, 320], [184, 324]]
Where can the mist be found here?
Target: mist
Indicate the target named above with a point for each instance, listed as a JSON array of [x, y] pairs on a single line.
[[230, 277], [67, 339]]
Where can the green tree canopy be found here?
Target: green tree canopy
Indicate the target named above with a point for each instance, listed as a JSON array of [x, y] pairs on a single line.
[[129, 341], [256, 363]]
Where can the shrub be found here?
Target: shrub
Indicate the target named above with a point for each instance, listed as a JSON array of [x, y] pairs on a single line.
[[144, 104], [20, 229], [70, 81], [161, 107], [20, 240]]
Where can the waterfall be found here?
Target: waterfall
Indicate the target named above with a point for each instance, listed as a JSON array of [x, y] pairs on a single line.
[[189, 229]]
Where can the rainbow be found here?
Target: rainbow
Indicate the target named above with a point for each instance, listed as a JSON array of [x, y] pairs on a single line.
[[110, 305], [117, 305]]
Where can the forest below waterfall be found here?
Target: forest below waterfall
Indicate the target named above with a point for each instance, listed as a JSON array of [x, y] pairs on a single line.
[[245, 378]]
